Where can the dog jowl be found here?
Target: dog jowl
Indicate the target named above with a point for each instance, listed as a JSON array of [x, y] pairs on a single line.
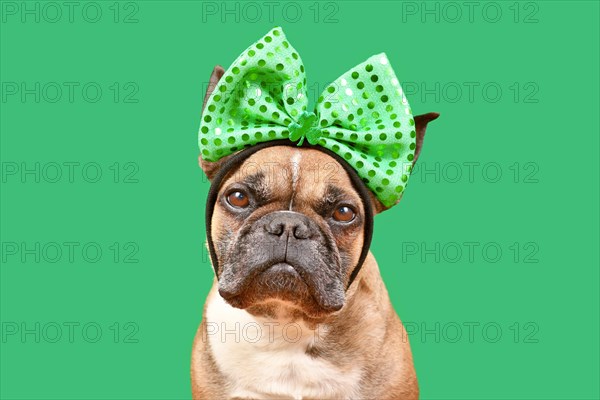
[[289, 223]]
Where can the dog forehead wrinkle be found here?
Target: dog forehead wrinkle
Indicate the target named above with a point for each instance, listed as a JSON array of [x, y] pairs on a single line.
[[255, 179], [332, 195], [295, 163], [257, 182]]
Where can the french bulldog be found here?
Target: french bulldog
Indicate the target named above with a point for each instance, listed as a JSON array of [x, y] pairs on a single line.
[[283, 319]]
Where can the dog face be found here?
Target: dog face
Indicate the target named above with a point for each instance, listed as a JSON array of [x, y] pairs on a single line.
[[287, 226]]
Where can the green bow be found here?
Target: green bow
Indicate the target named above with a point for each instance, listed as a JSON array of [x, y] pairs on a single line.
[[363, 116]]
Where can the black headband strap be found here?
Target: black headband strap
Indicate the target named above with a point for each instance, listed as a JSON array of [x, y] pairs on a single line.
[[238, 158]]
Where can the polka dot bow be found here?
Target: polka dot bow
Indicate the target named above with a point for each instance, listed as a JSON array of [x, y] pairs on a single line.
[[363, 116]]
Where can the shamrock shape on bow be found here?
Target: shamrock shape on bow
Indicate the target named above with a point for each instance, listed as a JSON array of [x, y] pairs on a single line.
[[304, 128]]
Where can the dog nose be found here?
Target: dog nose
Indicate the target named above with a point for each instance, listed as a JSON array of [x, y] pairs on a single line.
[[288, 222]]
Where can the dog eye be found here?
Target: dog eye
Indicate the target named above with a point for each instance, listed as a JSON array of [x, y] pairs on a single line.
[[238, 199], [344, 214]]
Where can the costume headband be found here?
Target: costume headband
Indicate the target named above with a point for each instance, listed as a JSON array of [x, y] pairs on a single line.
[[363, 116]]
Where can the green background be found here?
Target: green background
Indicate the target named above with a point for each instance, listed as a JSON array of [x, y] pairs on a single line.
[[542, 55]]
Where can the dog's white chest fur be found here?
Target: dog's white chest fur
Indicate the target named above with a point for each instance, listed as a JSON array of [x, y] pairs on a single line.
[[268, 359]]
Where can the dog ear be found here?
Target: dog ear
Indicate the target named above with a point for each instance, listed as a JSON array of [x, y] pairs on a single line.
[[421, 122], [216, 75], [211, 168]]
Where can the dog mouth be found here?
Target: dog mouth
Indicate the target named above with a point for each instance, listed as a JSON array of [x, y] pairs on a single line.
[[282, 268], [278, 281], [275, 277]]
